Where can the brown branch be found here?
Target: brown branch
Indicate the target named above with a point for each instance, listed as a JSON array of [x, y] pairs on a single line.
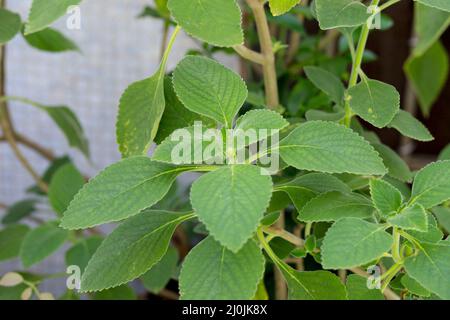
[[44, 152], [7, 127], [265, 40]]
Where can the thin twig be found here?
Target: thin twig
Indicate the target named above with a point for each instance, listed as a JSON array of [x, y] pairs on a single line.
[[44, 152], [249, 54]]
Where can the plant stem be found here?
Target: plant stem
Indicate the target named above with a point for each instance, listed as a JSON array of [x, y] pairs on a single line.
[[165, 36], [390, 274], [396, 246], [285, 235], [249, 54], [386, 5], [269, 71], [357, 63], [7, 127]]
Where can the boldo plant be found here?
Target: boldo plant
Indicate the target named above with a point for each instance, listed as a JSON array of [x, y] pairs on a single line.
[[288, 175]]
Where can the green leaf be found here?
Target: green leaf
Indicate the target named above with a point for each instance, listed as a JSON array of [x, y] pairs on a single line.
[[190, 146], [202, 18], [410, 127], [438, 4], [386, 198], [261, 119], [432, 184], [120, 191], [141, 108], [312, 285], [374, 101], [41, 242], [302, 189], [397, 167], [159, 275], [11, 239], [329, 147], [231, 201], [340, 13], [45, 12], [429, 24], [443, 216], [335, 205], [51, 40], [431, 267], [445, 153], [65, 184], [81, 252], [10, 24], [19, 210], [176, 115], [428, 74], [131, 249], [279, 7], [357, 289], [224, 274], [118, 293], [208, 88], [414, 287], [352, 242], [411, 218], [433, 233], [327, 82]]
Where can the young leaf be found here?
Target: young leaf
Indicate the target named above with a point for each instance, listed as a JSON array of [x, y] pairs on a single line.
[[429, 24], [208, 88], [10, 25], [414, 287], [261, 119], [120, 191], [335, 205], [159, 275], [352, 242], [131, 249], [141, 108], [386, 198], [11, 239], [217, 22], [397, 167], [411, 218], [432, 235], [357, 289], [329, 147], [45, 12], [340, 13], [176, 115], [19, 210], [41, 242], [438, 4], [279, 7], [431, 267], [187, 146], [65, 184], [432, 184], [81, 252], [409, 126], [225, 274], [327, 82], [11, 279], [428, 74], [375, 101], [231, 201], [51, 40]]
